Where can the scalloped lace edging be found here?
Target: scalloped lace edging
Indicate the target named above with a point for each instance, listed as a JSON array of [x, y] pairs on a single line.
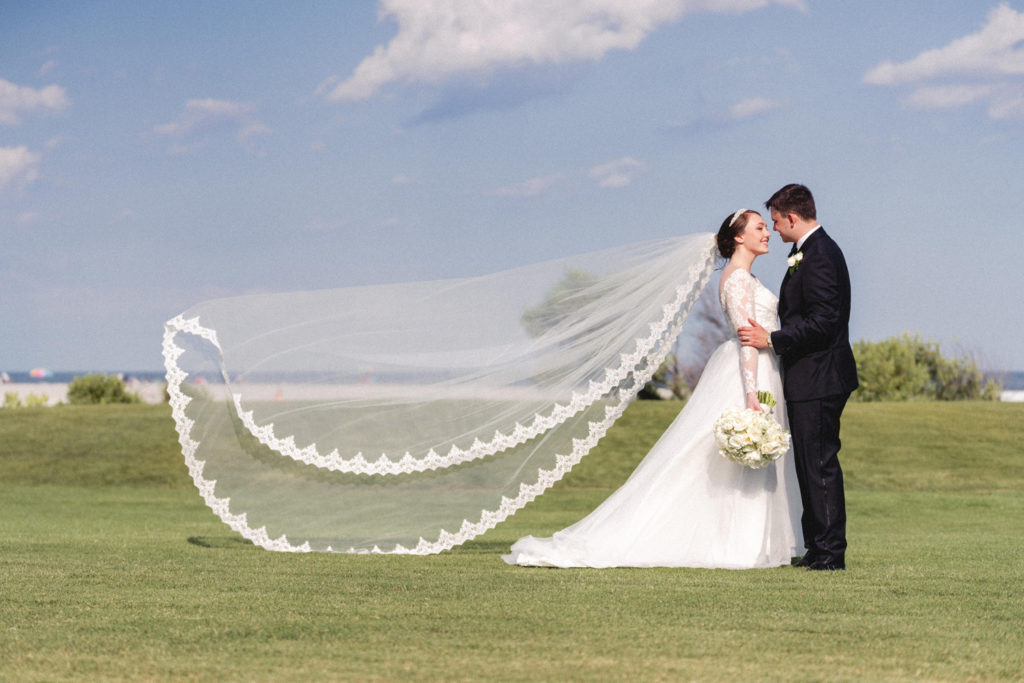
[[662, 331], [698, 273]]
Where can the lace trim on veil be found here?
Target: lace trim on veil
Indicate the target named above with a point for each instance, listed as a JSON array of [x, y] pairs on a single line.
[[661, 332], [633, 372]]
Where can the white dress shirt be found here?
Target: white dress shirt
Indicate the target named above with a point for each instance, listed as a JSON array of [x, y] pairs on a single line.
[[800, 242]]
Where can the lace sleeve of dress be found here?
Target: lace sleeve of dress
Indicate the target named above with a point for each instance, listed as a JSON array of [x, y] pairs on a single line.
[[738, 302]]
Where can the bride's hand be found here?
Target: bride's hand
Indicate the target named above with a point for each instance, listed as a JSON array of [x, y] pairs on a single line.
[[753, 403]]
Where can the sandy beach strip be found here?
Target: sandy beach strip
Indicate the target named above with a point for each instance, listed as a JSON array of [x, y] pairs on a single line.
[[57, 392]]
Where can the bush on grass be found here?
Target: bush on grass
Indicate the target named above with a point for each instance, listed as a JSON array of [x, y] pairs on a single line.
[[100, 389], [906, 367], [13, 400]]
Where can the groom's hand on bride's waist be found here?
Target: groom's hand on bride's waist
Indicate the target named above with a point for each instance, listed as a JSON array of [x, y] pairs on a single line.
[[754, 335]]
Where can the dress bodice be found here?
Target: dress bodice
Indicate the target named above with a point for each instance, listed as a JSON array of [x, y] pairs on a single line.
[[742, 293]]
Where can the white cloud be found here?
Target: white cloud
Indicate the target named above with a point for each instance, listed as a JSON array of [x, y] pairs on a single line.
[[529, 188], [751, 107], [16, 100], [945, 96], [17, 164], [994, 50], [1008, 103], [204, 116], [201, 115], [441, 39], [986, 66], [252, 129], [614, 174], [248, 134]]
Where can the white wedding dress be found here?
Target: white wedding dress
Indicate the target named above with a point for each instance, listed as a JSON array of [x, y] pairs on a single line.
[[685, 505]]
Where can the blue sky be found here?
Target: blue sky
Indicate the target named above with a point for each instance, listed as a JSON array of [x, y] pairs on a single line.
[[153, 155]]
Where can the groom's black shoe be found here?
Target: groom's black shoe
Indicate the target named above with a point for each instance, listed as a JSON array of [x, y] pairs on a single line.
[[826, 566], [806, 561]]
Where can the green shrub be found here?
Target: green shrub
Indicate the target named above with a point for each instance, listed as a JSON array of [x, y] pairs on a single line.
[[99, 389], [906, 367], [36, 400], [13, 400]]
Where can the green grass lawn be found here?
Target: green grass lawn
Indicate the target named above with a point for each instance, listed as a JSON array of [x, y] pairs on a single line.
[[112, 568]]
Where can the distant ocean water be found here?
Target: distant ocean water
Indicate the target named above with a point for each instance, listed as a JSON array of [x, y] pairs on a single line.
[[1012, 381], [27, 377]]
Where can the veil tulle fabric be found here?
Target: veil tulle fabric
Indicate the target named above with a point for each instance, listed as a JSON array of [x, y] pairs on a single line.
[[410, 418]]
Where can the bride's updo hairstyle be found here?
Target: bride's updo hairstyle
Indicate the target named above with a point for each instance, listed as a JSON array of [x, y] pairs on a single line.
[[733, 225]]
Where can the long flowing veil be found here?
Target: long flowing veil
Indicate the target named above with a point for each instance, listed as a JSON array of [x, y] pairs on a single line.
[[410, 418]]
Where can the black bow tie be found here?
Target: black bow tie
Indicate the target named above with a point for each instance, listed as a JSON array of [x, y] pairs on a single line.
[[793, 250]]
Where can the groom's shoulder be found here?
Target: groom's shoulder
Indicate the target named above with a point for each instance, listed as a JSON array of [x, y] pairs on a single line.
[[825, 242], [824, 252], [831, 252]]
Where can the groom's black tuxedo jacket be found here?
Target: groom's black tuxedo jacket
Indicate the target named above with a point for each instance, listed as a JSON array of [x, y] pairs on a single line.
[[814, 312]]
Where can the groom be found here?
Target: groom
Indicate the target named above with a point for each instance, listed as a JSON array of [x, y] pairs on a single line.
[[818, 365]]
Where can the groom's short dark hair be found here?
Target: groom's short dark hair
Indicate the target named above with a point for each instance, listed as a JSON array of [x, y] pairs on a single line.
[[793, 198]]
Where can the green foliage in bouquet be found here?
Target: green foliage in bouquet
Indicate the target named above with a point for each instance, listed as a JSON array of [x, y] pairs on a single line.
[[906, 367], [100, 389]]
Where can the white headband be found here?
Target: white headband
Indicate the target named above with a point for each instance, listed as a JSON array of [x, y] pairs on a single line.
[[737, 215]]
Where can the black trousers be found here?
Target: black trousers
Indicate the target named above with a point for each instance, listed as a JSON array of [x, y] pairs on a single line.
[[814, 426]]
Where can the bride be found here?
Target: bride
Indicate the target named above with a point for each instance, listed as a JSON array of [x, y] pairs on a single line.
[[685, 505]]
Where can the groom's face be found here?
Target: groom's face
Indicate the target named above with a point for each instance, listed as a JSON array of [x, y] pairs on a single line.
[[782, 225]]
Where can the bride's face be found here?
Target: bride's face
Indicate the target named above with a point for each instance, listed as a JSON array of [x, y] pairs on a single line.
[[755, 236]]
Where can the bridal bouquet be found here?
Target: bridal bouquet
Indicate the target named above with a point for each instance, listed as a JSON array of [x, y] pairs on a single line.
[[751, 437]]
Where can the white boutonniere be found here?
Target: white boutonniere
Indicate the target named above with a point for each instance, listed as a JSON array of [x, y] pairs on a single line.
[[794, 261]]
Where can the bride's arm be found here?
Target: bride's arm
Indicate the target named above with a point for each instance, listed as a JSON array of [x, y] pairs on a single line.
[[738, 294]]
